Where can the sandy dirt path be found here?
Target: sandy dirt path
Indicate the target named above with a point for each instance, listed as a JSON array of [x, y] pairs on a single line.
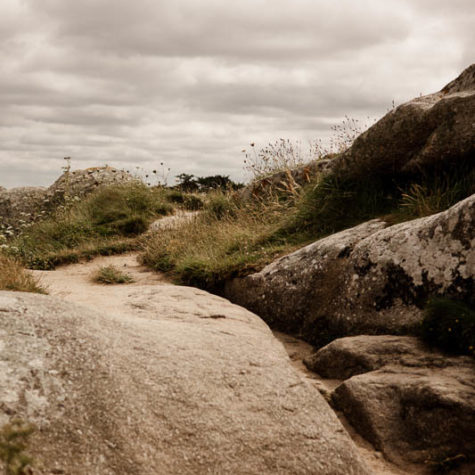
[[74, 283]]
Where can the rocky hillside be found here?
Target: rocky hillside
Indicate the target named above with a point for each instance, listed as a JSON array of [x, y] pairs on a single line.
[[360, 289], [156, 378], [19, 206]]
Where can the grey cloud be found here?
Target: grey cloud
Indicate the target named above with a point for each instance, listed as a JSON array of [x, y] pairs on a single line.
[[192, 83]]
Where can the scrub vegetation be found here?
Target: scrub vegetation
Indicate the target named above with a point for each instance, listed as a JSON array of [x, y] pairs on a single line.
[[106, 222]]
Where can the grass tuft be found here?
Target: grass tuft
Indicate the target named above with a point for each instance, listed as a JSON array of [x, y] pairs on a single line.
[[14, 277], [13, 443], [111, 275]]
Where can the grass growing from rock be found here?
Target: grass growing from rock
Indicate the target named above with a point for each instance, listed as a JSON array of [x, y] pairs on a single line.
[[111, 275], [449, 325], [106, 222], [14, 277]]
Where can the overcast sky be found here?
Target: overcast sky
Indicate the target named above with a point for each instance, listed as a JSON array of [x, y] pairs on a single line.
[[192, 82]]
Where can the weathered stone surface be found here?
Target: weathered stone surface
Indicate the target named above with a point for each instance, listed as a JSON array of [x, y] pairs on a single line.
[[366, 280], [346, 357], [21, 205], [290, 292], [175, 381], [426, 132], [413, 403], [429, 132], [82, 182]]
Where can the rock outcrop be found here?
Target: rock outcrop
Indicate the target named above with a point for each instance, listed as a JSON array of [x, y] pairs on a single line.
[[367, 279], [176, 381], [432, 132], [82, 182], [414, 404], [425, 133], [20, 206]]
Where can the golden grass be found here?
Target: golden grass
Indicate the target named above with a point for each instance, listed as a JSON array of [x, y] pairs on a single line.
[[14, 277], [225, 241]]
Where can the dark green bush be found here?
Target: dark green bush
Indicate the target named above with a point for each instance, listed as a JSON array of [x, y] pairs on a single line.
[[220, 205], [175, 196], [337, 202], [193, 203], [450, 326]]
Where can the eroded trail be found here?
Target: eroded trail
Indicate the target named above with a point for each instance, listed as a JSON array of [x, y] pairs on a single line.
[[74, 283]]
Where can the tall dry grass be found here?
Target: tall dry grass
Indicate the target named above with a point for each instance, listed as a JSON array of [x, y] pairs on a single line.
[[226, 240], [14, 277]]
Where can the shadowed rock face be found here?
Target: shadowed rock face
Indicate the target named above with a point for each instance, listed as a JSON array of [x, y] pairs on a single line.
[[367, 279], [413, 403], [177, 381]]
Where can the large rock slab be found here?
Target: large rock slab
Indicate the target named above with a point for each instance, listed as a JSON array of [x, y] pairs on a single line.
[[413, 415], [346, 357], [426, 134], [174, 381], [366, 280], [290, 292]]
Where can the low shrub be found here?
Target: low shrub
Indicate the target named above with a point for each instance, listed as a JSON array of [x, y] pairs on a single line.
[[111, 275], [450, 326], [193, 202], [221, 205]]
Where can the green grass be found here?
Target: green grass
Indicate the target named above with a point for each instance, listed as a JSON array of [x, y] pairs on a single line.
[[106, 222], [111, 275], [449, 325]]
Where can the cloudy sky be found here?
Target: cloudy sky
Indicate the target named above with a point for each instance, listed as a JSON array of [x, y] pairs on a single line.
[[192, 82]]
